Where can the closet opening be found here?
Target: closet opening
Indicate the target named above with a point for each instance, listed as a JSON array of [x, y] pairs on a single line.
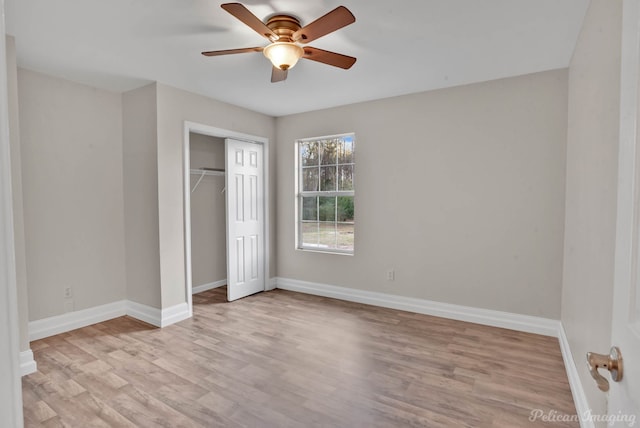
[[208, 213], [226, 213]]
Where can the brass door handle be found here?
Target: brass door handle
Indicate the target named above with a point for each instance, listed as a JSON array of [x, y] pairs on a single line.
[[611, 362]]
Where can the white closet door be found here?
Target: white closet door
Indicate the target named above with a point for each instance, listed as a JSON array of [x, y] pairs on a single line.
[[624, 396], [245, 218]]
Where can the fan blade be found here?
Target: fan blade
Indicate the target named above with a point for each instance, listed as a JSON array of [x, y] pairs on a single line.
[[278, 75], [326, 57], [244, 15], [231, 51], [332, 21]]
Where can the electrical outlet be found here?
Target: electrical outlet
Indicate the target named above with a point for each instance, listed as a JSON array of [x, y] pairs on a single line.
[[68, 293], [391, 275]]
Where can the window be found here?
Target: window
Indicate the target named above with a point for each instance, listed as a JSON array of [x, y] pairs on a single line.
[[325, 194]]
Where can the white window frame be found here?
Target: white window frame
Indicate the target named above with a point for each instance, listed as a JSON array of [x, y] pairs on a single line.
[[299, 194]]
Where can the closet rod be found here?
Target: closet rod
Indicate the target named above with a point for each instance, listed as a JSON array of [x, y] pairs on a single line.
[[208, 171]]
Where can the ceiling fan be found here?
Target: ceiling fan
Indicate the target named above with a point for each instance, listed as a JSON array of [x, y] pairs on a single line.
[[287, 35]]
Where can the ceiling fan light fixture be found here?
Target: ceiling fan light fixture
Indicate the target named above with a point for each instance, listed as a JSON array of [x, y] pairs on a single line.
[[287, 36], [283, 55]]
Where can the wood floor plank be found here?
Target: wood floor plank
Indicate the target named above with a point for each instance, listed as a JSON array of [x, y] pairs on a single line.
[[284, 359]]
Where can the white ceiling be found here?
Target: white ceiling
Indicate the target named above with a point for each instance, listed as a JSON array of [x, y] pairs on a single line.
[[402, 46]]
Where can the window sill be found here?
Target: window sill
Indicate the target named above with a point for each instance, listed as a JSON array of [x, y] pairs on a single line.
[[323, 251]]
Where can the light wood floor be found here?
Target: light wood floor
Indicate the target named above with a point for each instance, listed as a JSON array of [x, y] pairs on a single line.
[[283, 359]]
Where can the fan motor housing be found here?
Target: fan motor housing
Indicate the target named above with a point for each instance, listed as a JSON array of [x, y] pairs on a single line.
[[284, 26]]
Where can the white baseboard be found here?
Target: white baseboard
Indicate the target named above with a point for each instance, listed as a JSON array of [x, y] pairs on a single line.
[[271, 284], [71, 320], [526, 323], [145, 313], [27, 363], [174, 314], [209, 286], [158, 317], [579, 397], [46, 327]]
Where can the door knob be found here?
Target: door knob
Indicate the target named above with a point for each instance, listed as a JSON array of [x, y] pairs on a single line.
[[611, 362]]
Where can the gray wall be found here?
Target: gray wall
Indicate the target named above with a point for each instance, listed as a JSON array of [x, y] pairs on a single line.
[[71, 141], [16, 191], [460, 190], [592, 173], [208, 212], [176, 106], [140, 169]]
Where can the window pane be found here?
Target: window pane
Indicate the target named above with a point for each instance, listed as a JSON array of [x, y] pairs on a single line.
[[327, 208], [345, 236], [345, 177], [328, 178], [327, 235], [309, 153], [346, 151], [345, 208], [310, 208], [329, 152], [309, 234], [310, 179]]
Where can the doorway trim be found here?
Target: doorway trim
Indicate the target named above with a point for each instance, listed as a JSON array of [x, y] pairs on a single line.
[[199, 128], [11, 413]]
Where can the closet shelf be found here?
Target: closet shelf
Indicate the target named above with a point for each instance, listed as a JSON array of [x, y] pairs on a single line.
[[205, 171]]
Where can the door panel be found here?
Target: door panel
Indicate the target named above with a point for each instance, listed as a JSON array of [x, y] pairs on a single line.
[[240, 260], [245, 219], [254, 257], [253, 198], [239, 197]]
